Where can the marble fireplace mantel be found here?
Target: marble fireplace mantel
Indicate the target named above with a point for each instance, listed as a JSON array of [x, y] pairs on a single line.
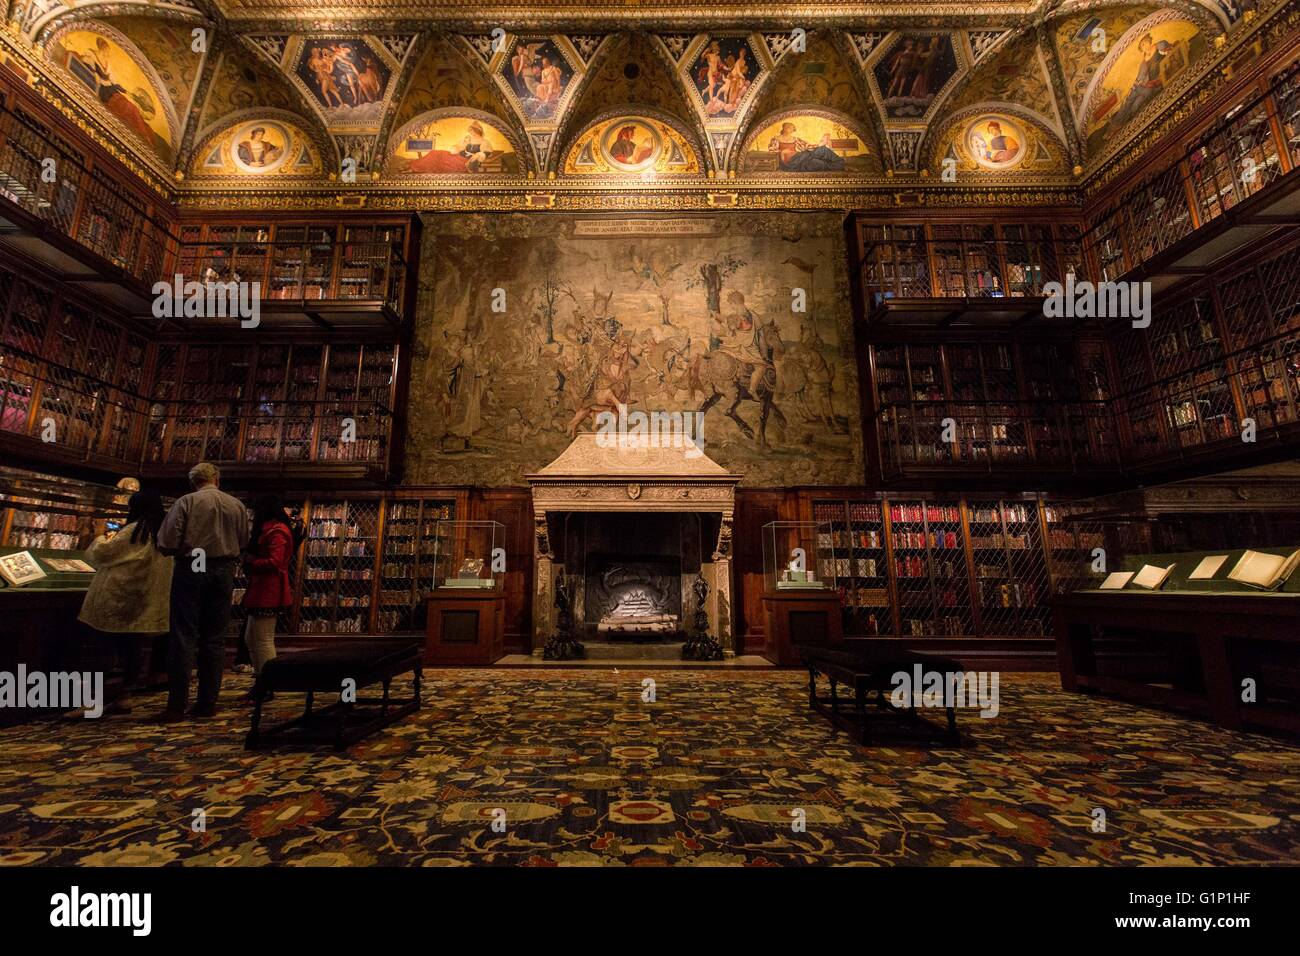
[[592, 476]]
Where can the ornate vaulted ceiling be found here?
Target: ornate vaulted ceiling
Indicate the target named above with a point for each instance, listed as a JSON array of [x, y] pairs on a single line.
[[450, 95]]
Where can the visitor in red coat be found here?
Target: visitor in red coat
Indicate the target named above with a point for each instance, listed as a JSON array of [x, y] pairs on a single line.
[[266, 566]]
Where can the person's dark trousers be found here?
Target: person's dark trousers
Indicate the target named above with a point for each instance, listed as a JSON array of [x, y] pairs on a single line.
[[200, 619], [120, 650]]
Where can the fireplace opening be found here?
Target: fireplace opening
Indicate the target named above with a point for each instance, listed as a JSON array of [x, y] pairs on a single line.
[[633, 574]]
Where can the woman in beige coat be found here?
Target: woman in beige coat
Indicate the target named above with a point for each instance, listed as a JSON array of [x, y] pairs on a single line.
[[129, 598]]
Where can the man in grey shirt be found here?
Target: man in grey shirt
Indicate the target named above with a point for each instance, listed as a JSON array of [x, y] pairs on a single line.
[[206, 531]]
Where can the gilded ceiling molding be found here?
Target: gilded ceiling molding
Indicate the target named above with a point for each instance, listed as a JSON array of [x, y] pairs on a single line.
[[60, 15], [855, 48], [561, 143], [218, 43], [410, 63], [1060, 95], [680, 198]]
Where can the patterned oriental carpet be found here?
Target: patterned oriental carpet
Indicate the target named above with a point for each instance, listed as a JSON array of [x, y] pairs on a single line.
[[708, 774]]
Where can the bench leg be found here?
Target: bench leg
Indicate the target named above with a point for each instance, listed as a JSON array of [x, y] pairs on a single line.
[[340, 721], [311, 697], [952, 725], [835, 698], [383, 710], [254, 732], [419, 676], [860, 705], [812, 687]]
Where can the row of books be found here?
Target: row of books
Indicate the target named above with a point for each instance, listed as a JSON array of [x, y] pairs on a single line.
[[917, 513]]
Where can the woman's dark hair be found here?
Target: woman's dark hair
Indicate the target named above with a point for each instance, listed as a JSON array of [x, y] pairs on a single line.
[[146, 509], [267, 509]]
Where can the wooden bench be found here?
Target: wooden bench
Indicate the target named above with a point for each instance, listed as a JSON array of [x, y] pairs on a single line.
[[324, 670], [867, 670]]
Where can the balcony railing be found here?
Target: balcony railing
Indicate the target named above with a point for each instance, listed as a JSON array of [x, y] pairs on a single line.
[[78, 416], [989, 436], [965, 261], [323, 267], [1248, 149], [48, 177], [259, 432], [1202, 408]]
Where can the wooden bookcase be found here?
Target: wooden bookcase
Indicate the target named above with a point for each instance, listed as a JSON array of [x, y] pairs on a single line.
[[927, 566]]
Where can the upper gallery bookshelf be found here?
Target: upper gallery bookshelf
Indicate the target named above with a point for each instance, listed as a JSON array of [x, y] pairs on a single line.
[[295, 261], [976, 260]]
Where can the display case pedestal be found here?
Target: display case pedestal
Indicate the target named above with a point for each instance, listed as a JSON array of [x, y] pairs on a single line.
[[465, 626], [801, 616]]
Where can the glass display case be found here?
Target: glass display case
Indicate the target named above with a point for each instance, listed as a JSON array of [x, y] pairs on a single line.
[[468, 555], [798, 556]]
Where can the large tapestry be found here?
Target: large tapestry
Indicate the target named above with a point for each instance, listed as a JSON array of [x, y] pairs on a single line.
[[531, 325]]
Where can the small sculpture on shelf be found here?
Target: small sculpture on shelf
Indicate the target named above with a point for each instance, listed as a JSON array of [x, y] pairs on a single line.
[[563, 645], [699, 645]]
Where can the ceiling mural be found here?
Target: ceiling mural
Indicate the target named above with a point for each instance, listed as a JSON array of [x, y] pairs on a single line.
[[539, 77], [631, 145], [257, 146], [443, 78], [452, 142], [167, 46], [808, 141], [1148, 59], [633, 72], [910, 71], [1084, 38], [724, 73], [241, 82], [1049, 96], [105, 65], [1016, 73]]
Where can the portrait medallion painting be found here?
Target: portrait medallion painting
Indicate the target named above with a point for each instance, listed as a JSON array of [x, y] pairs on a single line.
[[996, 142], [807, 143], [912, 72], [105, 68], [259, 147], [1150, 57], [631, 145], [723, 73], [452, 145], [538, 74], [656, 313], [345, 76]]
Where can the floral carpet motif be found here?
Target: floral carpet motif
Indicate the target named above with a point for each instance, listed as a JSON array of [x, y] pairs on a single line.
[[722, 768]]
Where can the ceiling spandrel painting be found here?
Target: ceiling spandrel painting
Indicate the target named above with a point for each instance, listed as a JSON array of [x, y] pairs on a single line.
[[102, 62], [407, 98]]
